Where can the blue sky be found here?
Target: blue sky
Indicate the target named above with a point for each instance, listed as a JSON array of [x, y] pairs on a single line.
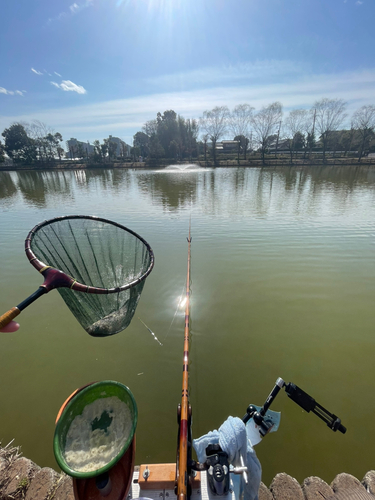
[[90, 68]]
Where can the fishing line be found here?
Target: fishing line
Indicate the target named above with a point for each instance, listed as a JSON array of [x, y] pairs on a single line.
[[152, 333]]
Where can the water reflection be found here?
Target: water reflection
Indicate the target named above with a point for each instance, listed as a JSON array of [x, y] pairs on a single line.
[[33, 187], [170, 190], [228, 190], [7, 186]]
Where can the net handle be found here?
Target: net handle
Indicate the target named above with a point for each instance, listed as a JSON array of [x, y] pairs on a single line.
[[54, 278], [69, 282]]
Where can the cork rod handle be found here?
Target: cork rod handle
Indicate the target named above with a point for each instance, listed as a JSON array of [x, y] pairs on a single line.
[[7, 317]]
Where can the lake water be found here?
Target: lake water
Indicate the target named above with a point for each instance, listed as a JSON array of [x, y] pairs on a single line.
[[283, 285]]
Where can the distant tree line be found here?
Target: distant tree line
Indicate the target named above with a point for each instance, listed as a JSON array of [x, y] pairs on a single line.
[[264, 131], [170, 136], [37, 143]]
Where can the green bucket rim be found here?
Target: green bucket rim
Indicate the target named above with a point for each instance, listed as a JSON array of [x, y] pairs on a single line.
[[62, 429]]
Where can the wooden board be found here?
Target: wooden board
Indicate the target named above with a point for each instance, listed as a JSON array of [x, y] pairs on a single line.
[[162, 476]]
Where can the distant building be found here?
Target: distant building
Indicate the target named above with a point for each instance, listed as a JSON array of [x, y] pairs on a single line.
[[227, 145], [282, 145], [123, 149], [77, 148]]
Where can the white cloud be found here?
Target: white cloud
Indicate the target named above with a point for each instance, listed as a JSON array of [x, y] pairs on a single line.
[[69, 86], [11, 92], [44, 72], [358, 2], [73, 9]]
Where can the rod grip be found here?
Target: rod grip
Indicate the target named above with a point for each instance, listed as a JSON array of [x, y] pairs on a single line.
[[7, 317]]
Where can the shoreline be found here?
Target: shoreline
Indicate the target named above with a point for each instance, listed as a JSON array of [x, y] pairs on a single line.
[[256, 163]]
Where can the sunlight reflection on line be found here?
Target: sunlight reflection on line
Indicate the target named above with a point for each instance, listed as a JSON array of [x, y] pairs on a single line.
[[183, 302]]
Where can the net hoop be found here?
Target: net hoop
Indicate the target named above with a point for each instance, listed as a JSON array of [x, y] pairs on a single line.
[[41, 266]]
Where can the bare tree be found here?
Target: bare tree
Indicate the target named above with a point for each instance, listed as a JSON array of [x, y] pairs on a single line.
[[214, 124], [239, 123], [295, 123], [330, 113], [364, 122], [265, 123]]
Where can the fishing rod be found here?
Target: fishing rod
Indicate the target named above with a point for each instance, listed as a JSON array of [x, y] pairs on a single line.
[[183, 463]]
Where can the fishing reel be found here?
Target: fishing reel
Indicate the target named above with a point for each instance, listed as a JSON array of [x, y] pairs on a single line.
[[218, 469]]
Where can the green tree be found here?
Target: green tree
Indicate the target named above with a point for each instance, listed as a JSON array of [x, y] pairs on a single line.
[[156, 149], [142, 142], [173, 149], [18, 145], [135, 152], [192, 131], [2, 153], [98, 155], [167, 131], [53, 144], [60, 152]]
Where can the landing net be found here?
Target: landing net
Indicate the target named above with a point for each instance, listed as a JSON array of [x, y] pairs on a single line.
[[109, 259]]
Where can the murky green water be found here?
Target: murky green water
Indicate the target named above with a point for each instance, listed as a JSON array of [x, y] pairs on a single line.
[[283, 271]]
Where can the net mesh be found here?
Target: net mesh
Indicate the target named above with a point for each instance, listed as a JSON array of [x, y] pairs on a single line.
[[98, 254]]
